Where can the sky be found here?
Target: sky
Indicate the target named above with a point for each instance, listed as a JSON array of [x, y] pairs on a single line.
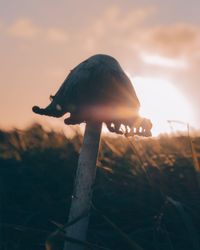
[[155, 41]]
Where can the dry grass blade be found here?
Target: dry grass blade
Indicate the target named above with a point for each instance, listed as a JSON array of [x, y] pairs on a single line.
[[115, 150], [188, 223], [168, 238], [24, 228], [193, 151], [192, 147], [62, 227], [135, 151], [124, 236], [79, 242]]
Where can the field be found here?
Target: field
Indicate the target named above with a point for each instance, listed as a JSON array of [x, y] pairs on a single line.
[[147, 191]]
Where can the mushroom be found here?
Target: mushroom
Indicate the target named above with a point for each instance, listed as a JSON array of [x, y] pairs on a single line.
[[98, 90], [95, 91]]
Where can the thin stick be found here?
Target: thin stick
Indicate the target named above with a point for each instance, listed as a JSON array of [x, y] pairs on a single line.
[[124, 236]]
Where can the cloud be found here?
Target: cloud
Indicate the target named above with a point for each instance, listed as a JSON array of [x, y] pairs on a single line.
[[135, 33], [154, 59], [116, 18], [174, 40], [116, 27], [57, 35], [115, 30], [25, 28]]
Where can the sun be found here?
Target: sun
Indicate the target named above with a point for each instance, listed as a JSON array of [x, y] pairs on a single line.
[[162, 101]]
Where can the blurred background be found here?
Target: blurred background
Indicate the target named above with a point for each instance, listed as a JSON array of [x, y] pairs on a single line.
[[148, 188], [157, 43]]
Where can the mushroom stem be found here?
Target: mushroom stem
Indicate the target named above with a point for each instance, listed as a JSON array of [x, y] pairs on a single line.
[[83, 187]]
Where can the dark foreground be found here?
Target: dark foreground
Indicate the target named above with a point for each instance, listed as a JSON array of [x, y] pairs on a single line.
[[149, 191]]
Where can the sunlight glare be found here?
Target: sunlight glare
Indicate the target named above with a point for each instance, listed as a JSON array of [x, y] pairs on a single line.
[[161, 101]]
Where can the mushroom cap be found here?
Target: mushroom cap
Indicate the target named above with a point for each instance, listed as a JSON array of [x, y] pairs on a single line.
[[95, 90]]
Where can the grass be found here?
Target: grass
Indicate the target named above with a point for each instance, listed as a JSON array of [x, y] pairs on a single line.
[[146, 188]]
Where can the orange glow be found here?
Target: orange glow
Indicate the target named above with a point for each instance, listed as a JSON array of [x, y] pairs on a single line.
[[161, 101]]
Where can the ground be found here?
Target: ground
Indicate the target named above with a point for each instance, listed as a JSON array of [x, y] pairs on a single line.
[[148, 188]]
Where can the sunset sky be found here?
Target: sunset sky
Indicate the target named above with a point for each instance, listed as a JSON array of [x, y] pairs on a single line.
[[157, 43]]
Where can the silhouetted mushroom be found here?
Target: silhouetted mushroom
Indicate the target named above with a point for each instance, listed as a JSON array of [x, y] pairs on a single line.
[[95, 91], [98, 90]]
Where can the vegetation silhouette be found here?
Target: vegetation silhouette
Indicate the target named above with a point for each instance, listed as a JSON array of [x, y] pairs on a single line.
[[37, 169]]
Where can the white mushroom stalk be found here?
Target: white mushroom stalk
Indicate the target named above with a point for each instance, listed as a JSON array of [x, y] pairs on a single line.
[[83, 188], [95, 91]]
